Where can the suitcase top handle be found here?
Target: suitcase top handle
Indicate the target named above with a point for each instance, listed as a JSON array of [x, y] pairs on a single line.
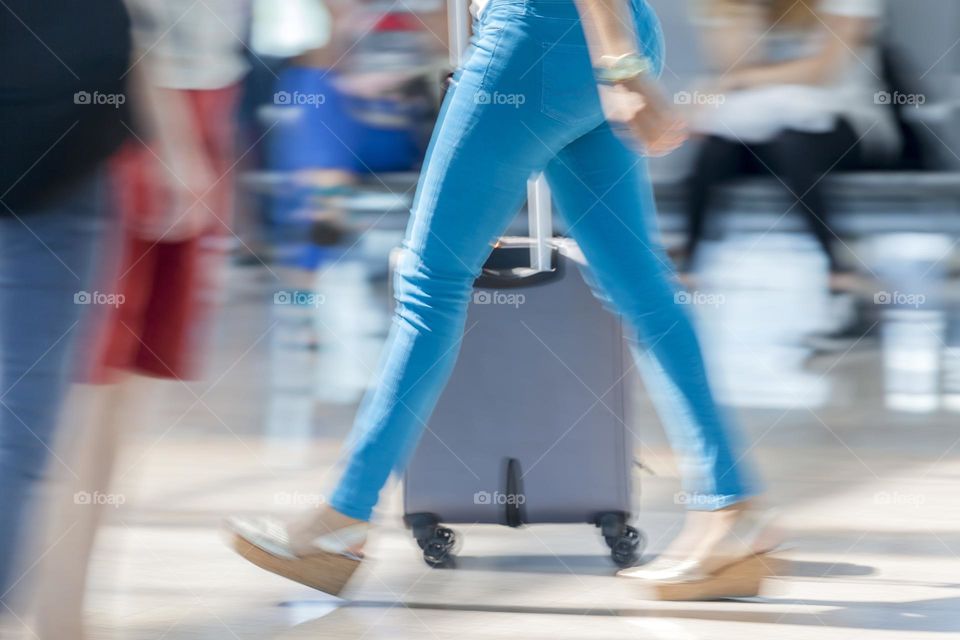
[[508, 268]]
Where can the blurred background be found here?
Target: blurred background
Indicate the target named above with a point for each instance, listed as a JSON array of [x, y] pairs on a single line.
[[222, 349]]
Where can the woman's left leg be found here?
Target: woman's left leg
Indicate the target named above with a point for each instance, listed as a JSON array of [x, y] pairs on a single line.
[[718, 160], [601, 189], [800, 160]]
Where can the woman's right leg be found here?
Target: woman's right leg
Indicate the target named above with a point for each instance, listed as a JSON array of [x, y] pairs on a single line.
[[473, 184]]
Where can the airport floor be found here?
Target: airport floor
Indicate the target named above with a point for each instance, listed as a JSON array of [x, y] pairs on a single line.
[[864, 472]]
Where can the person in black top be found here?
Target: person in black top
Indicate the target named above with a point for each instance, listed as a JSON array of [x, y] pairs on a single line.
[[63, 104]]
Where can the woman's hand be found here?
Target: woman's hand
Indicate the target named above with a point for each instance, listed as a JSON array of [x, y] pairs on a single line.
[[181, 194], [644, 115]]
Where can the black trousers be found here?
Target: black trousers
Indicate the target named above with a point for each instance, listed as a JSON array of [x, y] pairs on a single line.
[[799, 159]]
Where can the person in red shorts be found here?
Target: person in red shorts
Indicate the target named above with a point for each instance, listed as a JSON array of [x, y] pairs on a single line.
[[172, 186], [170, 236]]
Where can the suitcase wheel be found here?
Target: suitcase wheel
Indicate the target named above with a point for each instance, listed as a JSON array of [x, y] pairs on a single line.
[[625, 549], [438, 547]]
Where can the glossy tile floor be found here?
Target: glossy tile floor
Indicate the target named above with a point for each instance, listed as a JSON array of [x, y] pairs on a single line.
[[865, 473]]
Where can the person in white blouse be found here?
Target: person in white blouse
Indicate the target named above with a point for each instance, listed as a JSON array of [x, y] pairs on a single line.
[[797, 92]]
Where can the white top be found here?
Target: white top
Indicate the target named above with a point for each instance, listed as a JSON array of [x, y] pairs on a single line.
[[758, 114], [288, 28], [192, 45], [477, 6], [854, 91]]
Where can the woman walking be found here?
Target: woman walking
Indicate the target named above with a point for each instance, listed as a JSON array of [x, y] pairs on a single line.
[[527, 101]]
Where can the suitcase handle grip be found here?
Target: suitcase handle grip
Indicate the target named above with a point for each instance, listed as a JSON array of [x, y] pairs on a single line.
[[506, 276]]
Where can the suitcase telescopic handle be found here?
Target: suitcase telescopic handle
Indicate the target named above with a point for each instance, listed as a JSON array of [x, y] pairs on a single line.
[[458, 29], [539, 211]]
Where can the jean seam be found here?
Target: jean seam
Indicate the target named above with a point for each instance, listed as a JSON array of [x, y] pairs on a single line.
[[482, 84]]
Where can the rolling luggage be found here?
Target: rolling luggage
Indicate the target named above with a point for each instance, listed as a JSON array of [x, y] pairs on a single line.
[[530, 428]]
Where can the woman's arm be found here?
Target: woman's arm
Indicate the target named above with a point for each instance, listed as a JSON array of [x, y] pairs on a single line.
[[844, 35], [609, 27], [630, 96], [180, 174]]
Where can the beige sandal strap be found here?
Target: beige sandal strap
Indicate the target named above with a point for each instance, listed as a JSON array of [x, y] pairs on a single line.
[[342, 540]]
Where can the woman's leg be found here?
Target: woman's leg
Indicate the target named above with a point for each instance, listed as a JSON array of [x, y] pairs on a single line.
[[45, 258], [800, 160], [601, 189], [718, 160], [474, 181]]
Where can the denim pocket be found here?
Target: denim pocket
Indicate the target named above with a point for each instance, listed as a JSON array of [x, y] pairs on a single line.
[[569, 90]]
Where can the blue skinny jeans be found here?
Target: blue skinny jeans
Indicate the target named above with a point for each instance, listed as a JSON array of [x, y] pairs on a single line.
[[525, 102]]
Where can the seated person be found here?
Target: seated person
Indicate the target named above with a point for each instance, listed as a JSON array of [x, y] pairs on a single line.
[[799, 83]]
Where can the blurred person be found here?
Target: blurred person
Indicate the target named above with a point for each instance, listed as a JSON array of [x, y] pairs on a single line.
[[62, 104], [361, 104], [474, 180], [796, 90], [358, 103], [173, 188]]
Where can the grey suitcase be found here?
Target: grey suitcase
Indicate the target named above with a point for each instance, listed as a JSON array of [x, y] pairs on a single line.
[[530, 428]]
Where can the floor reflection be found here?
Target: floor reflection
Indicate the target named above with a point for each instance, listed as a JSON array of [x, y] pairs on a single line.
[[768, 293]]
